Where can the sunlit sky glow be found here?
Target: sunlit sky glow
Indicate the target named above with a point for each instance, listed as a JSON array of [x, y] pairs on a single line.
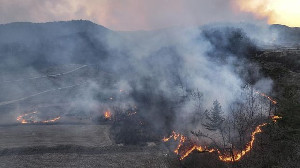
[[285, 12], [152, 14]]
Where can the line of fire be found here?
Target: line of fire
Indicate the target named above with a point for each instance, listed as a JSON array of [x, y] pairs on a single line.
[[185, 145]]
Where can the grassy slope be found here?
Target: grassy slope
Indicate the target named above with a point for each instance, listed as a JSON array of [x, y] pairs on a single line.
[[279, 145]]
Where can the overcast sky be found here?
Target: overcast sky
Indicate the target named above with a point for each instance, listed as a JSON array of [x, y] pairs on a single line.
[[141, 14]]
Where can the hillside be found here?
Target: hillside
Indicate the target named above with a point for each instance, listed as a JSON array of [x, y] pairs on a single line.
[[48, 44], [77, 91]]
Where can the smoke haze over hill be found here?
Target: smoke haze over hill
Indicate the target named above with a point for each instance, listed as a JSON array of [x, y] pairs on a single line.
[[127, 14], [155, 68]]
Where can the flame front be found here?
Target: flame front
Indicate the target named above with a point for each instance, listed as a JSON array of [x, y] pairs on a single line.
[[185, 152], [222, 157], [268, 97], [225, 158], [52, 120], [248, 148], [21, 117], [197, 148], [30, 119]]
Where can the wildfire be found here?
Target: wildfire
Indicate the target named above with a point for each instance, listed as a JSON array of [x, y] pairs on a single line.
[[275, 118], [21, 117], [236, 156], [52, 120], [29, 118], [197, 148], [248, 148], [107, 114], [225, 158], [268, 97], [183, 154], [175, 136]]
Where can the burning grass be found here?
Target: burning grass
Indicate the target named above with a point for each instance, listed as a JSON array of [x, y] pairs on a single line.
[[33, 118], [183, 151], [107, 115], [186, 146], [268, 97]]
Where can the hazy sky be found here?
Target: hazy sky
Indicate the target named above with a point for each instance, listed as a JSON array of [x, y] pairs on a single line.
[[151, 14]]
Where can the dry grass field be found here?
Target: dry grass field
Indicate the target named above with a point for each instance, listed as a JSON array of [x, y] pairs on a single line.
[[71, 146]]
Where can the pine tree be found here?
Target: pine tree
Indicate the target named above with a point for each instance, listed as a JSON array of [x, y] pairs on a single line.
[[214, 117]]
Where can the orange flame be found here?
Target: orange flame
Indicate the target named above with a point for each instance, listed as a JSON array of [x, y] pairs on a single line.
[[268, 97], [21, 117], [197, 148], [249, 146], [26, 121], [52, 120], [275, 118], [174, 135], [224, 158], [107, 114], [182, 139]]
